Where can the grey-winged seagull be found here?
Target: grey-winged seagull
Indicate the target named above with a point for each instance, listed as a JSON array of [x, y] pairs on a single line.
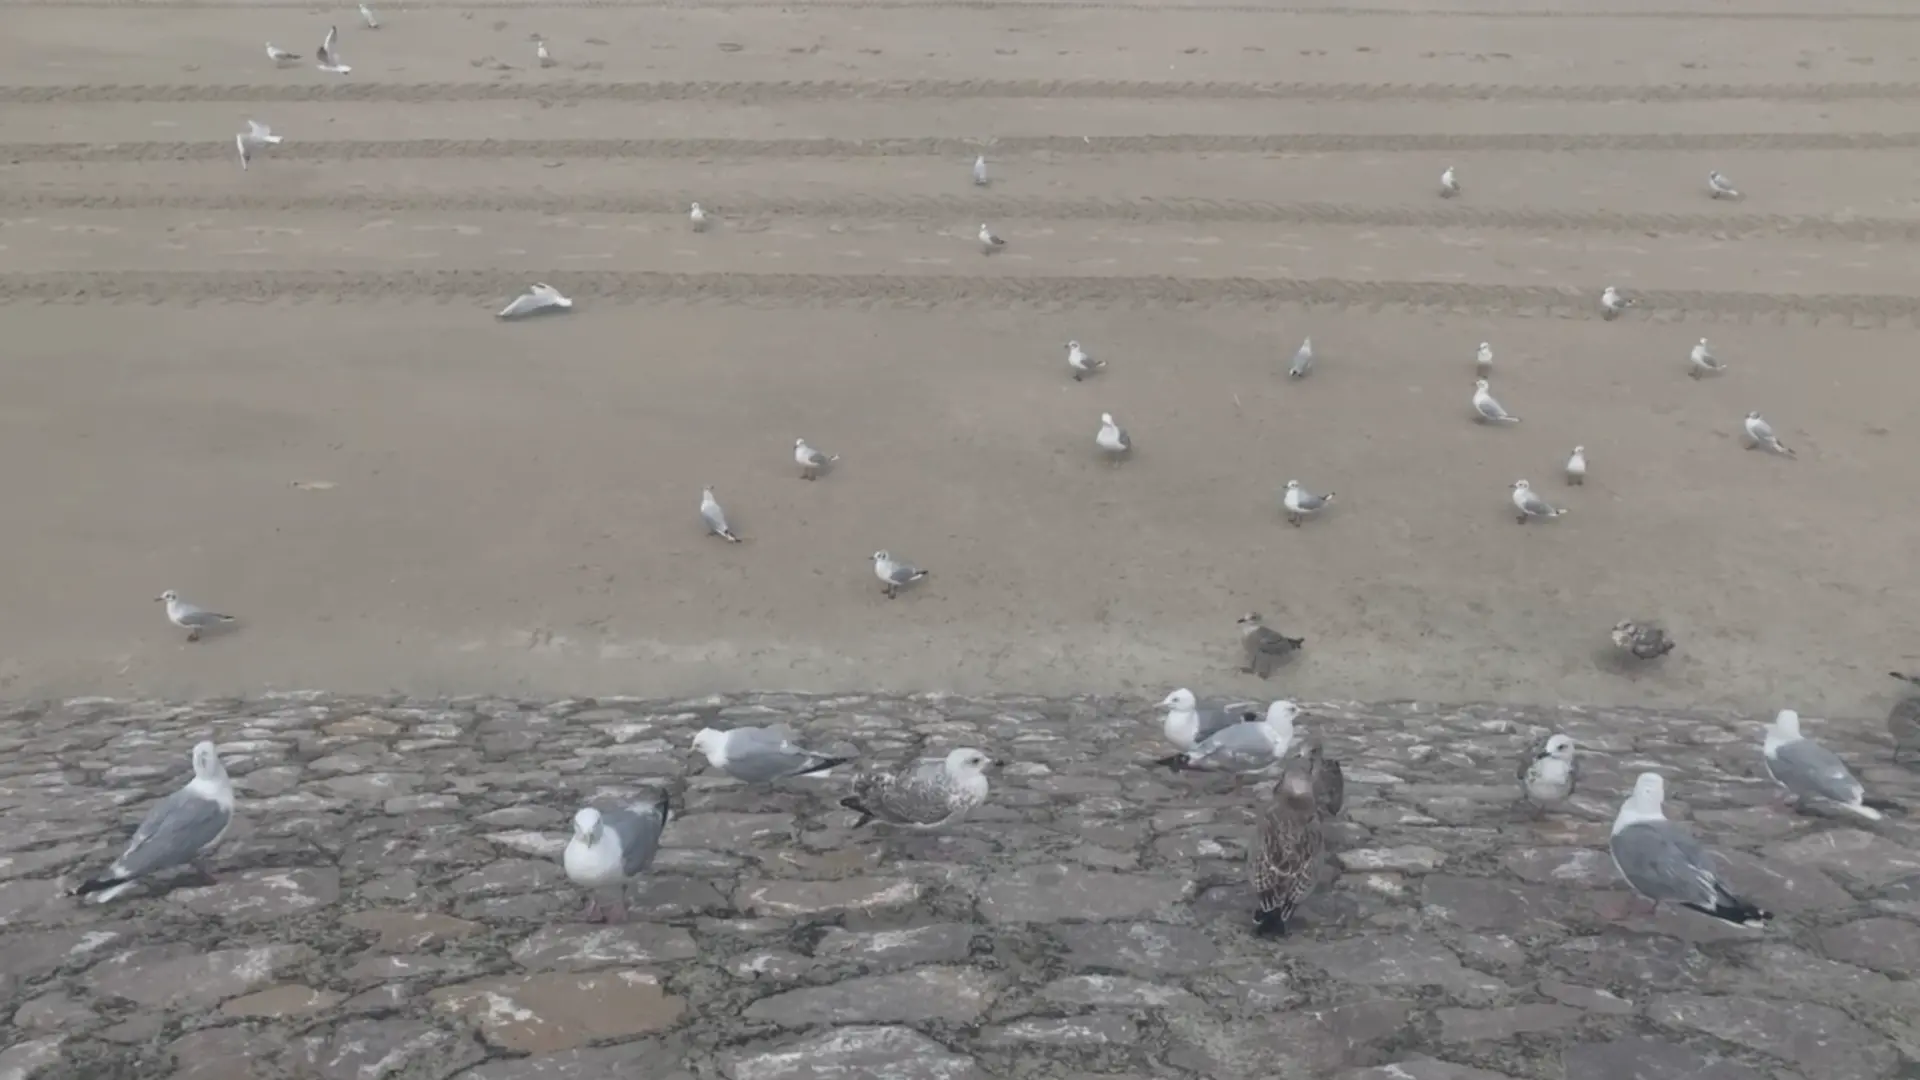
[[1113, 439], [761, 755], [279, 55], [980, 170], [698, 218], [175, 831], [366, 16], [989, 243], [1082, 362], [1612, 303], [1301, 503], [1530, 505], [895, 574], [1577, 466], [256, 136], [542, 297], [1701, 361], [1486, 408], [1265, 647], [1189, 723], [190, 617], [1805, 769], [1449, 184], [1719, 188], [1483, 359], [715, 517], [1662, 863], [1286, 853], [811, 461], [1760, 435], [1255, 746], [1302, 360], [610, 845], [926, 795]]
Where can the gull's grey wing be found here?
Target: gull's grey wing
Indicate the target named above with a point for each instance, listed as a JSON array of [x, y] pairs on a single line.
[[715, 517], [1535, 504], [1807, 768], [1126, 440], [1664, 864], [1302, 362], [917, 795], [902, 572], [1763, 430], [1213, 719], [816, 458], [1265, 641], [1284, 860], [173, 832], [1490, 409], [1236, 744], [757, 755], [191, 615], [638, 826]]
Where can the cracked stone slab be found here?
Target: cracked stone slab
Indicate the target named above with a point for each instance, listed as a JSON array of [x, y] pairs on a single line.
[[263, 894], [560, 1011], [820, 897], [1815, 1037], [386, 1050], [954, 994], [1055, 892], [180, 975], [579, 948], [853, 1053]]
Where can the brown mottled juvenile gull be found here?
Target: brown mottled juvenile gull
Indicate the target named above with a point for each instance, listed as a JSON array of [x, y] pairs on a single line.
[[1808, 770], [1550, 772], [1661, 862], [927, 795], [1641, 640], [612, 844], [175, 831], [1286, 855], [1265, 647], [1329, 780]]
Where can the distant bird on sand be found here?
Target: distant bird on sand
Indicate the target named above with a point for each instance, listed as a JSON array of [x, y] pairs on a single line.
[[1549, 773], [1301, 504], [1266, 648], [1577, 466], [811, 461], [1760, 434], [1701, 361], [715, 517], [698, 217], [366, 16], [1302, 360], [1662, 863], [541, 54], [256, 136], [190, 617], [542, 297], [1807, 770], [1286, 852], [279, 55], [895, 574], [1082, 362], [1449, 184], [980, 170], [989, 243], [1486, 408], [1642, 641], [1612, 303], [1113, 439], [175, 832], [1483, 360], [328, 58], [1719, 188], [1531, 505]]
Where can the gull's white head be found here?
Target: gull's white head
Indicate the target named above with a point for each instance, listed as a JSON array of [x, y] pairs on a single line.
[[1787, 724], [800, 442], [1181, 699], [1521, 485], [882, 556], [1484, 346], [1649, 791], [696, 210], [1754, 415], [1072, 345], [708, 741], [983, 226], [706, 492], [1293, 485], [170, 596], [1560, 746], [1480, 384], [1579, 449], [586, 826], [1107, 419], [967, 761], [1282, 714], [206, 762], [1703, 343]]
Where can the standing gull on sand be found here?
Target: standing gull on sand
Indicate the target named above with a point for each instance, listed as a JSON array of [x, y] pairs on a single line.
[[1577, 467], [1760, 436], [1301, 503], [1265, 647], [1302, 360], [1082, 362], [715, 517], [279, 55], [190, 617], [1641, 640], [1531, 505], [980, 170], [1550, 773], [541, 297], [1701, 361], [1113, 439], [895, 574], [1661, 862], [1188, 723], [1449, 184], [927, 795], [611, 845], [1807, 770], [989, 243], [175, 831], [811, 461], [761, 755], [1483, 360], [1718, 187], [366, 16], [1612, 303], [541, 54], [1242, 748], [1486, 408], [698, 218], [1286, 853]]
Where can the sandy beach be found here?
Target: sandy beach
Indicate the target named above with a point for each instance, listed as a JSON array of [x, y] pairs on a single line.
[[282, 391]]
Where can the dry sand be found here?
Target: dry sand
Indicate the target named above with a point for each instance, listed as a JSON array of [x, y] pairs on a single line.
[[1188, 189]]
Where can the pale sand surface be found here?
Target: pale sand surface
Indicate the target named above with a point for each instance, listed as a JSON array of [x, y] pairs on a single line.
[[514, 507]]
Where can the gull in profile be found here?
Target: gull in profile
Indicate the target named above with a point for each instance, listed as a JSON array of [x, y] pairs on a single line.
[[926, 796], [540, 52], [1188, 723], [1549, 774], [1612, 303], [1254, 746], [980, 170], [698, 217], [1530, 505], [895, 574], [1488, 409], [279, 55], [1760, 434], [1301, 503], [541, 298], [1302, 360], [328, 57], [610, 845], [1265, 648], [1806, 770], [1718, 187], [1285, 859], [366, 16], [1082, 362], [1641, 640], [1703, 362], [989, 242], [715, 517], [190, 617], [175, 832], [1577, 467], [811, 461], [1661, 862], [1113, 439], [257, 135], [1449, 184], [761, 755], [1483, 360]]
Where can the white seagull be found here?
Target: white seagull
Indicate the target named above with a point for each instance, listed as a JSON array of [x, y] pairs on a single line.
[[1577, 466], [1550, 773], [1487, 408], [279, 55], [1612, 303], [611, 845], [1661, 862], [715, 517], [190, 617], [895, 574], [1483, 360], [988, 241], [1530, 505], [980, 170], [1113, 439], [257, 135], [1449, 184], [541, 54], [1082, 362], [811, 461], [328, 58], [1805, 768], [698, 217], [1760, 434], [1703, 361], [175, 832], [1301, 503], [542, 297], [1302, 360], [366, 16], [1718, 187]]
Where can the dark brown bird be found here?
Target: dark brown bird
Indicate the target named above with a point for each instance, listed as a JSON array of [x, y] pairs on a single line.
[[1903, 723], [1642, 641], [1266, 648], [1287, 854], [1329, 782]]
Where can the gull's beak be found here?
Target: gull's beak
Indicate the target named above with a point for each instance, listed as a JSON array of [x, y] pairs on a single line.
[[1166, 702]]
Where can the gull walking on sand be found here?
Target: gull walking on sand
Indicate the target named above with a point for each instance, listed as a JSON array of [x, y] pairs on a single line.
[[190, 617], [366, 16], [328, 58], [1301, 503], [812, 462], [1531, 505], [256, 136], [1701, 361], [1188, 723], [1549, 774], [1487, 409], [1483, 360], [1449, 184], [1286, 853], [926, 796], [610, 846], [1662, 863], [1641, 640], [175, 832], [1612, 303], [1719, 188], [715, 517], [1251, 747], [279, 55], [542, 297], [540, 52], [1302, 360], [1760, 434], [895, 574], [1265, 647], [1113, 439], [1577, 467], [989, 243], [1082, 362], [761, 755], [1806, 770], [698, 217], [980, 170]]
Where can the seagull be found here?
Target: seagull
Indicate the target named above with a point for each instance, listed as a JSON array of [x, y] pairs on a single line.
[[175, 832], [1531, 505], [715, 517], [1642, 641], [1488, 408], [190, 617], [980, 170], [699, 218], [1286, 857], [542, 297], [1251, 747], [988, 241], [1661, 862], [1612, 303], [1718, 187], [1803, 768], [1302, 360], [1449, 184], [256, 135], [366, 16], [611, 845], [1265, 647], [1082, 362], [1903, 720], [1300, 502], [540, 52], [1704, 362], [1577, 467], [1329, 780], [1483, 361], [811, 461], [328, 57], [895, 574], [1189, 724], [928, 795], [1113, 439], [1760, 433], [279, 55], [761, 755], [1549, 774]]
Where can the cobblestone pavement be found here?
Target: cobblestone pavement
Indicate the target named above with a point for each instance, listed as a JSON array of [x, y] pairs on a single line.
[[390, 904]]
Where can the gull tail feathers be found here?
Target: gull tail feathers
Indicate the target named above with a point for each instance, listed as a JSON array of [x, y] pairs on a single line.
[[1730, 908]]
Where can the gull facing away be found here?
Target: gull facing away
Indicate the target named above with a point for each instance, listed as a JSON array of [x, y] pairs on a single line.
[[980, 170], [1903, 720], [760, 755], [1719, 188], [1188, 723], [190, 617], [1661, 862], [1577, 467], [811, 461], [1287, 853], [1265, 647], [1082, 362], [257, 135], [698, 217], [1487, 409], [1301, 503], [927, 795], [1255, 746], [1612, 303], [1302, 360], [279, 55], [611, 845], [1760, 434], [1483, 360], [1702, 361], [541, 298], [1549, 773], [715, 517], [1531, 505], [989, 242], [1449, 184], [174, 832], [1642, 641], [895, 574], [1113, 439], [366, 16], [1805, 769], [1329, 780], [328, 58]]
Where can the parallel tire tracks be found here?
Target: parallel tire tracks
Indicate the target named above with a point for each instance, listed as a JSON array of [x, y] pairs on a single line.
[[938, 209], [488, 287]]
